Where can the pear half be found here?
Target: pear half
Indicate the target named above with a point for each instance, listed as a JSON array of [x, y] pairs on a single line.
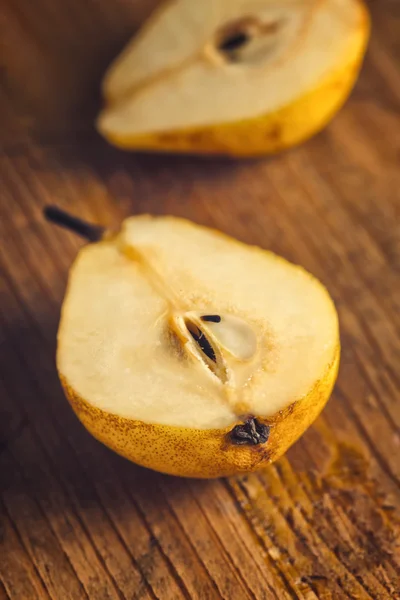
[[191, 353], [237, 77]]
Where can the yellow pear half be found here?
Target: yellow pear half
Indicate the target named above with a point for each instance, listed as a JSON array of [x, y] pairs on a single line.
[[191, 353], [236, 77]]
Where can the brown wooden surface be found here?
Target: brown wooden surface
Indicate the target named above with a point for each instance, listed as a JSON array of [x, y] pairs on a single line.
[[78, 522]]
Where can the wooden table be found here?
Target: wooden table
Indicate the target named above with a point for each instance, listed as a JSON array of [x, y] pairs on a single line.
[[76, 521]]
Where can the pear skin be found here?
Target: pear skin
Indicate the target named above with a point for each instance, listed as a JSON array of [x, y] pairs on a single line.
[[197, 453]]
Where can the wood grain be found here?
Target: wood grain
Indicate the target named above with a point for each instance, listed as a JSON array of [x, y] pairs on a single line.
[[76, 521]]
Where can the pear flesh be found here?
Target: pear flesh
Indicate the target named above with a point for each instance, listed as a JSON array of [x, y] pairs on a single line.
[[236, 77], [172, 335]]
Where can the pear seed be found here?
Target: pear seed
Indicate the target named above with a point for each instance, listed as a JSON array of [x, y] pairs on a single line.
[[211, 318], [203, 342], [234, 42]]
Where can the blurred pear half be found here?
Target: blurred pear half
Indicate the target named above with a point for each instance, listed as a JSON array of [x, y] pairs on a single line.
[[235, 77]]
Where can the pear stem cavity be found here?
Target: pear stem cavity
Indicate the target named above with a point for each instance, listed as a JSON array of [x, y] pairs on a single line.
[[92, 233]]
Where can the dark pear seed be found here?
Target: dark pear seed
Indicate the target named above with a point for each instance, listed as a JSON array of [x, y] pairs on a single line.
[[234, 42], [211, 318], [252, 432], [204, 344]]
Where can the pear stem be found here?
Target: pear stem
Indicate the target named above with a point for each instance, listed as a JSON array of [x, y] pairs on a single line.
[[93, 233]]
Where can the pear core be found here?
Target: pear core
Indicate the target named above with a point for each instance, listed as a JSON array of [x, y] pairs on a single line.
[[174, 324]]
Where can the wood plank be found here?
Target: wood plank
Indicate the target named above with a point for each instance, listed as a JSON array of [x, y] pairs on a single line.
[[77, 521], [19, 573]]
